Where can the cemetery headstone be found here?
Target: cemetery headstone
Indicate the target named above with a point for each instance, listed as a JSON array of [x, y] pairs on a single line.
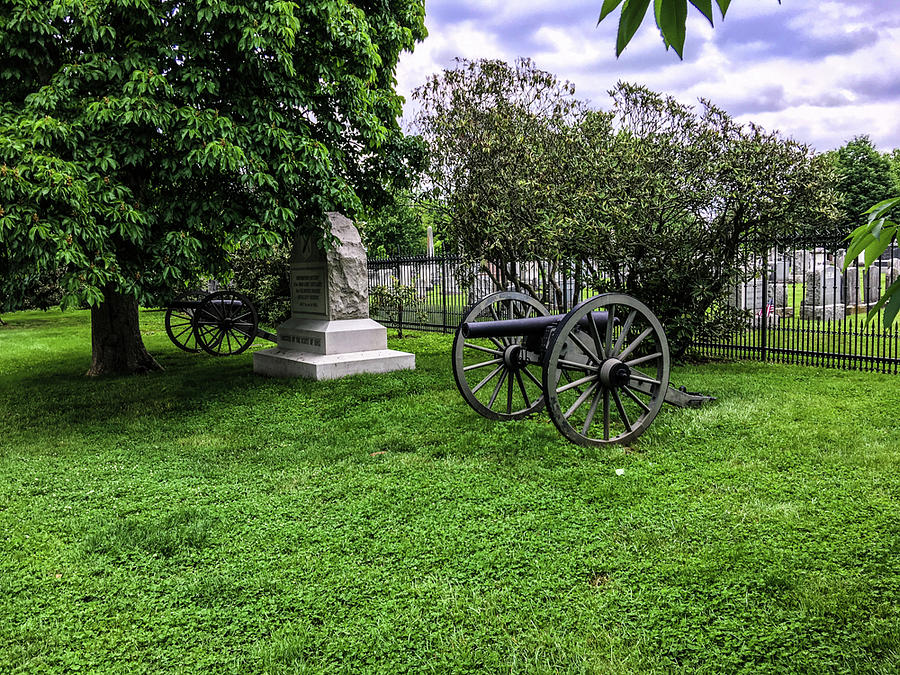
[[750, 296], [330, 334], [872, 288], [852, 295], [892, 274], [801, 264], [823, 295], [780, 268]]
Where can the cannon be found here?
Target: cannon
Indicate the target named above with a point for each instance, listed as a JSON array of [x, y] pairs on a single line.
[[221, 323], [601, 370]]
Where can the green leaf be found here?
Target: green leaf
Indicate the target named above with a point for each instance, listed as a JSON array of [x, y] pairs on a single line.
[[860, 241], [705, 7], [723, 6], [889, 295], [893, 305], [608, 6], [882, 207], [671, 16], [879, 246], [633, 12]]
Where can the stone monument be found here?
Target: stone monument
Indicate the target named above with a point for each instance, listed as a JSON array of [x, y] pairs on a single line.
[[852, 292], [892, 274], [822, 300], [749, 295], [330, 334], [873, 285]]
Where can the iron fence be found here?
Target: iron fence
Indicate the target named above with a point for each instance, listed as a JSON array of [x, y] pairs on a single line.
[[799, 306], [794, 304]]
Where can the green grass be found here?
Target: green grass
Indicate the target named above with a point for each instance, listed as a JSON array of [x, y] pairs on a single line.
[[204, 519]]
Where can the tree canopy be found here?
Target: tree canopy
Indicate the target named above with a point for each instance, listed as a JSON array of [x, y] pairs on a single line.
[[142, 140]]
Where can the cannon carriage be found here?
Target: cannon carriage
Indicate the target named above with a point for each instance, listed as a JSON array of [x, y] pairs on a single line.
[[601, 370], [223, 323]]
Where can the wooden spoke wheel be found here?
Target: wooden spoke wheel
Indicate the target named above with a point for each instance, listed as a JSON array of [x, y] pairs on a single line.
[[225, 323], [493, 374], [606, 370], [180, 321]]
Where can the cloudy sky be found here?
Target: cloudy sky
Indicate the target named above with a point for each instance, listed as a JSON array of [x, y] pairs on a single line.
[[819, 71]]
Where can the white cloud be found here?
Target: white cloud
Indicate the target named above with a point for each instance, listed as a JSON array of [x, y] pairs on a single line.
[[821, 73]]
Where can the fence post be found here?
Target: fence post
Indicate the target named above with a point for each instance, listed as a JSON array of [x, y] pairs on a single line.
[[764, 315], [443, 291]]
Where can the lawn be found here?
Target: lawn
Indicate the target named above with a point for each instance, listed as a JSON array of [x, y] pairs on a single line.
[[204, 519]]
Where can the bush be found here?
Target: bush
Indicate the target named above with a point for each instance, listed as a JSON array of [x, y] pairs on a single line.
[[35, 291], [395, 299]]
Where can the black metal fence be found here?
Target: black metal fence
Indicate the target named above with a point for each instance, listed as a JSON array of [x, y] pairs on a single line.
[[795, 303], [801, 307]]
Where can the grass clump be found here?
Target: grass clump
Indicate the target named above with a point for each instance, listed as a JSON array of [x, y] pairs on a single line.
[[177, 532]]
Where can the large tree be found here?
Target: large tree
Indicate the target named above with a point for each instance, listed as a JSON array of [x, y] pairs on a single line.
[[654, 198], [502, 161], [142, 140]]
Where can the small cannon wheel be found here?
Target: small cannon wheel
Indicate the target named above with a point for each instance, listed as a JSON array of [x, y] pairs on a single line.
[[225, 323], [180, 321], [605, 379], [488, 371]]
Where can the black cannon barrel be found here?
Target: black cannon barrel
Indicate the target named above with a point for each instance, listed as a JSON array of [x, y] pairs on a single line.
[[524, 327]]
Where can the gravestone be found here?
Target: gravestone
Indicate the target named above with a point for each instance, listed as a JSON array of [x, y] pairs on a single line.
[[801, 264], [429, 242], [330, 334], [852, 296], [892, 273], [872, 288], [749, 295], [823, 295], [780, 268]]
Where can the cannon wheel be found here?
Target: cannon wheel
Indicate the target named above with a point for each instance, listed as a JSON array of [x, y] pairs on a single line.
[[606, 384], [225, 323], [486, 371], [180, 322]]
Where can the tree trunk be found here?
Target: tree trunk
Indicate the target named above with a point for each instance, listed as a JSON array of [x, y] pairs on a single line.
[[117, 347]]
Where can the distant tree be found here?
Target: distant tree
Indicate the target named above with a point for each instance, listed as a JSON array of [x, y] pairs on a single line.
[[894, 159], [397, 227], [688, 194], [143, 140], [863, 178]]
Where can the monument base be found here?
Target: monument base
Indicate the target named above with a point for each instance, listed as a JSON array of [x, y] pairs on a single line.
[[822, 312], [279, 362], [859, 309], [325, 350]]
